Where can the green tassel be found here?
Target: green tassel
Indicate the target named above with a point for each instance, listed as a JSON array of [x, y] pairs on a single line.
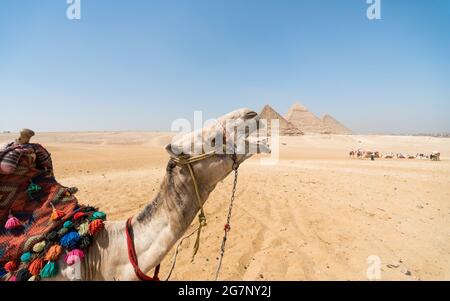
[[62, 231], [50, 270], [33, 188], [98, 215]]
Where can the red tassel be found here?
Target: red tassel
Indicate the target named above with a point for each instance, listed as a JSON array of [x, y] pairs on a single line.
[[95, 226], [79, 215], [57, 215], [11, 266], [36, 267]]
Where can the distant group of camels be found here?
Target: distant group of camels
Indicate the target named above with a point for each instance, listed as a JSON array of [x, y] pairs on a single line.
[[362, 154]]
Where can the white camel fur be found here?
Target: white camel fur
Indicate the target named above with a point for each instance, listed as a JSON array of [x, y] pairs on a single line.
[[165, 219]]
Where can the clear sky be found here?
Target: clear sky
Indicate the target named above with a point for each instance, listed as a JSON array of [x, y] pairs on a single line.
[[138, 65]]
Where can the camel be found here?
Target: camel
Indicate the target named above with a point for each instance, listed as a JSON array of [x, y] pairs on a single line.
[[422, 156], [165, 219], [368, 154], [359, 154], [388, 156], [435, 156], [400, 156]]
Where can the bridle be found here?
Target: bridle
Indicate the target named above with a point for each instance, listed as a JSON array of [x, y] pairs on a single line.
[[186, 161]]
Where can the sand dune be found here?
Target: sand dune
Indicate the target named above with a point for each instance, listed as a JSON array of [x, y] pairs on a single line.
[[316, 215]]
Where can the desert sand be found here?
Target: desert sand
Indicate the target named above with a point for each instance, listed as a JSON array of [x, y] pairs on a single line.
[[315, 215]]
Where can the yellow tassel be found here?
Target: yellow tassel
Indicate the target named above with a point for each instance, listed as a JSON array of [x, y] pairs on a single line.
[[39, 247], [56, 215], [83, 229]]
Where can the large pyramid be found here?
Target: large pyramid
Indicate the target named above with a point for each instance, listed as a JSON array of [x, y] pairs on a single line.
[[335, 126], [306, 121], [286, 128]]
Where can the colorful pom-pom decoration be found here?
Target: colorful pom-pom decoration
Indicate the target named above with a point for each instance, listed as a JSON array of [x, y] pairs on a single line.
[[53, 253], [62, 232], [95, 226], [12, 278], [36, 267], [68, 225], [26, 257], [39, 247], [49, 270], [73, 256], [85, 242], [12, 223], [98, 215], [11, 266], [70, 240], [57, 215], [79, 215], [52, 237], [23, 275], [83, 229]]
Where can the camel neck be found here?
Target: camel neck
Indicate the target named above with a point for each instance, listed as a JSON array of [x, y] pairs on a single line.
[[161, 223]]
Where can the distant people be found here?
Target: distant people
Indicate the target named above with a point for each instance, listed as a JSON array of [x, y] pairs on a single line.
[[351, 154]]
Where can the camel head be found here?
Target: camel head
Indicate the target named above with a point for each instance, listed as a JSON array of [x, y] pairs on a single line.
[[232, 136]]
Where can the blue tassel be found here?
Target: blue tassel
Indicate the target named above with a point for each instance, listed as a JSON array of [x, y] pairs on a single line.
[[70, 240], [26, 257], [3, 272]]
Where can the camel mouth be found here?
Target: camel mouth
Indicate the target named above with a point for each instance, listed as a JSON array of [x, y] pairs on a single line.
[[261, 145], [250, 115]]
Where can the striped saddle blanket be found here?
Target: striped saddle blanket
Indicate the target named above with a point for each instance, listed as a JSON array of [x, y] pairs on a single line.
[[38, 216]]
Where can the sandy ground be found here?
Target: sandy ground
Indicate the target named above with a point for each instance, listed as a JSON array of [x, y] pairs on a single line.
[[316, 215]]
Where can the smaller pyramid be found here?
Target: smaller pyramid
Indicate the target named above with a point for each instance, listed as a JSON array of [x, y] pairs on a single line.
[[299, 107], [335, 126], [286, 127], [306, 121]]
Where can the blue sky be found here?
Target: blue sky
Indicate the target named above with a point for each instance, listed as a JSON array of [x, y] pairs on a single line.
[[138, 65]]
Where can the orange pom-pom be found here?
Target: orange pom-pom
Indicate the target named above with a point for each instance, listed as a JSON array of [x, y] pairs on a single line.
[[36, 267], [11, 266], [53, 253], [57, 215], [95, 226]]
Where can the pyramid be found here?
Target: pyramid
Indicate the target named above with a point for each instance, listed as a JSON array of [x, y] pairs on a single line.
[[335, 126], [306, 121], [286, 128]]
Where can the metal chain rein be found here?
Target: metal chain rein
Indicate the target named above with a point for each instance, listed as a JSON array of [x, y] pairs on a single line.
[[227, 226]]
